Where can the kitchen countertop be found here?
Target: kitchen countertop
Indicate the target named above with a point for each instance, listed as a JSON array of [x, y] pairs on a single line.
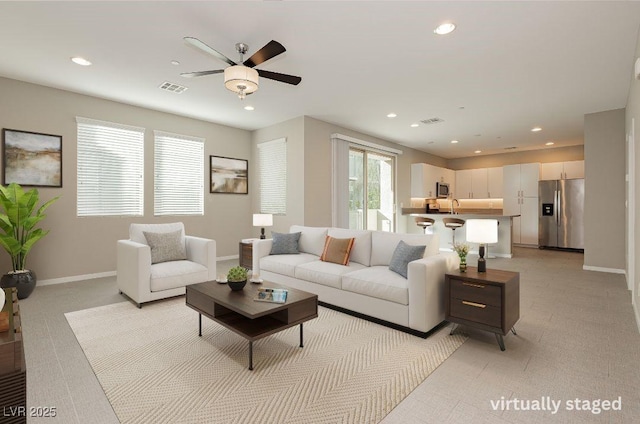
[[461, 212]]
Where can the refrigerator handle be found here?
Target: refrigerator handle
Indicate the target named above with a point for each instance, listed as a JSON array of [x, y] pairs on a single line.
[[557, 202]]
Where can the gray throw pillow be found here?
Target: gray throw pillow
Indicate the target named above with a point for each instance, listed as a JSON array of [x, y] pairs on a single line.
[[404, 254], [285, 243], [166, 247]]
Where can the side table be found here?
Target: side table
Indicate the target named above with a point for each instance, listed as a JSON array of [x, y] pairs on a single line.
[[13, 369], [489, 301], [246, 254]]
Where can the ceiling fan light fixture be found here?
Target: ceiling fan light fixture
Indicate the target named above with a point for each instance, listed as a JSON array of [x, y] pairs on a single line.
[[241, 80]]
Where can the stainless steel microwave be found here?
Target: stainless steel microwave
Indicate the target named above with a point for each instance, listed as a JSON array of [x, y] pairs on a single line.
[[442, 190]]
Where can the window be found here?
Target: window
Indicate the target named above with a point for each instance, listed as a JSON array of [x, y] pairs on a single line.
[[110, 169], [178, 175], [272, 164]]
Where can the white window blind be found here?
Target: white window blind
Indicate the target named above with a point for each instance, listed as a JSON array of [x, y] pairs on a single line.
[[110, 169], [179, 174], [272, 164]]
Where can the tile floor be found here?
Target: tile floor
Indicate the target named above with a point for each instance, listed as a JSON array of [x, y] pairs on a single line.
[[577, 338]]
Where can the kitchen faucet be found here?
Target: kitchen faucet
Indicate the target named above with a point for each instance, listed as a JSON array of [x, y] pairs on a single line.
[[453, 210]]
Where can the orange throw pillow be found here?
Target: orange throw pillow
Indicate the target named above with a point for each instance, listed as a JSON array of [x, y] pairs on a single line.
[[337, 250]]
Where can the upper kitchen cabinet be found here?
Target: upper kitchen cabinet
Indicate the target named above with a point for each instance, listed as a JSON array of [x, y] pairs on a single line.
[[424, 178], [481, 183], [521, 180], [494, 182], [562, 170]]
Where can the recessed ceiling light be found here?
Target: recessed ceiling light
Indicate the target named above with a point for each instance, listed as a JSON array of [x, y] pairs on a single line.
[[249, 108], [80, 61], [444, 28], [391, 115], [478, 151], [414, 125], [536, 129], [454, 141], [175, 62], [549, 143]]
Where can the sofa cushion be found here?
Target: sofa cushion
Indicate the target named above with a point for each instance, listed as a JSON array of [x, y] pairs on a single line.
[[361, 251], [337, 250], [170, 275], [311, 239], [285, 244], [135, 230], [379, 282], [325, 273], [285, 264], [404, 254], [383, 244], [166, 246]]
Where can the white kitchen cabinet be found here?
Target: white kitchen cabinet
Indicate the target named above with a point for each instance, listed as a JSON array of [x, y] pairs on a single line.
[[471, 184], [494, 182], [424, 178], [520, 197], [562, 170]]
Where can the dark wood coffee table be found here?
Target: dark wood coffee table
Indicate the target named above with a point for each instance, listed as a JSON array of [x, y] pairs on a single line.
[[253, 320]]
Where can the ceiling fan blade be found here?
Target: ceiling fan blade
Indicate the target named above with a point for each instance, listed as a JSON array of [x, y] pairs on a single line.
[[289, 79], [203, 47], [200, 73], [271, 49]]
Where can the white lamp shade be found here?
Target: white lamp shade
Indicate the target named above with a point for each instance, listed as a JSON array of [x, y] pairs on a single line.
[[262, 220], [482, 230], [241, 78]]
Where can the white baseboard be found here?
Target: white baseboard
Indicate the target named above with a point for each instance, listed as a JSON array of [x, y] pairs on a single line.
[[601, 269], [73, 278]]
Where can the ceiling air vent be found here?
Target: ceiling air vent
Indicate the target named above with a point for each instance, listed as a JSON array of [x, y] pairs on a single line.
[[174, 88], [510, 148], [432, 121]]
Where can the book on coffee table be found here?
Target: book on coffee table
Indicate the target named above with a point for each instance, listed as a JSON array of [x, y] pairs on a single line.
[[266, 294]]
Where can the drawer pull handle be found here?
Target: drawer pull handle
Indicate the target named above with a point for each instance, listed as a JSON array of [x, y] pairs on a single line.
[[480, 286], [474, 304]]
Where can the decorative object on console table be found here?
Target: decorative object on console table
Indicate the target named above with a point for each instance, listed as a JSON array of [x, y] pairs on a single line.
[[237, 278], [482, 231], [246, 253], [262, 220], [462, 249], [13, 368], [32, 159], [17, 221], [489, 301]]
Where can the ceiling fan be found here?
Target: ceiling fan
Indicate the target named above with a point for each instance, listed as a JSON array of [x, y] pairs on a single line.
[[240, 77]]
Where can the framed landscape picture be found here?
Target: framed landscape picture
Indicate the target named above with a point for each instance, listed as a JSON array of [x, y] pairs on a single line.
[[228, 175], [31, 159]]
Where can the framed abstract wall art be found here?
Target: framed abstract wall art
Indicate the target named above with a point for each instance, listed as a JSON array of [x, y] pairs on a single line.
[[31, 159], [228, 175]]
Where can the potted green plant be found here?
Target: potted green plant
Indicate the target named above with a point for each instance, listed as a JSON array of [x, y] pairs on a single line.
[[18, 222], [237, 278], [462, 249]]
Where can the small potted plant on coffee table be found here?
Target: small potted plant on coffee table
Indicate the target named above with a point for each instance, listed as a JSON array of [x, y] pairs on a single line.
[[237, 278]]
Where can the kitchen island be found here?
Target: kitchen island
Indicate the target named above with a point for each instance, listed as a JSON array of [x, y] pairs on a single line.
[[503, 248]]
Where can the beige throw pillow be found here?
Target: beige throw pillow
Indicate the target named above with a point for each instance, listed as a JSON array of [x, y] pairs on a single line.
[[166, 247], [337, 250]]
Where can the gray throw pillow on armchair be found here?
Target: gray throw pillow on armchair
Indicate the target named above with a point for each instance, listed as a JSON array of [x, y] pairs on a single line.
[[166, 247], [404, 254], [285, 243]]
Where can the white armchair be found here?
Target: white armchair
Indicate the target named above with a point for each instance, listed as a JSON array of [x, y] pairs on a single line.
[[143, 281]]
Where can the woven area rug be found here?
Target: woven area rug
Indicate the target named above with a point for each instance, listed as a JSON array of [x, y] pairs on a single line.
[[154, 368]]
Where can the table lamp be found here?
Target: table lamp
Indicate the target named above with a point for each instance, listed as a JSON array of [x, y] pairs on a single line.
[[262, 220], [482, 231]]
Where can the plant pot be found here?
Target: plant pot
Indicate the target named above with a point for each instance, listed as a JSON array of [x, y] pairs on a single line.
[[24, 281], [463, 264], [236, 285]]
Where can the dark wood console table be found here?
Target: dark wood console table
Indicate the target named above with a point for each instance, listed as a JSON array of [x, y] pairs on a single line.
[[13, 370]]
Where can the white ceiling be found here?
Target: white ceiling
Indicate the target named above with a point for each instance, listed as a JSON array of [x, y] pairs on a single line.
[[510, 65]]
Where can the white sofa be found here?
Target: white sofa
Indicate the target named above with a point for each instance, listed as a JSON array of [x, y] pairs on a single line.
[[143, 281], [366, 285]]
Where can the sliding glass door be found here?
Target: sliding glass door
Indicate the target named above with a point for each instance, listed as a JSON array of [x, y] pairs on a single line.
[[371, 194]]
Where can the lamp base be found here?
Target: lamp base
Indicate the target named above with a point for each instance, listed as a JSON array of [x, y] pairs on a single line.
[[262, 236], [482, 263]]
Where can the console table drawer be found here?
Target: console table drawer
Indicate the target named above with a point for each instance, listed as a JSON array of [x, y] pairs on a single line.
[[476, 312], [476, 292]]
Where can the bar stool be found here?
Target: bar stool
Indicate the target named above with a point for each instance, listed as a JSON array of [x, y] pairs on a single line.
[[424, 223], [453, 223]]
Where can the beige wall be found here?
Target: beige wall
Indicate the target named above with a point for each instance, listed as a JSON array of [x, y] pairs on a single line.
[[293, 131], [604, 214], [80, 246], [558, 154]]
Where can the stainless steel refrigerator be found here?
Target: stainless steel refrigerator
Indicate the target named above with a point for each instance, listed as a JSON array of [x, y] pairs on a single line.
[[561, 214]]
